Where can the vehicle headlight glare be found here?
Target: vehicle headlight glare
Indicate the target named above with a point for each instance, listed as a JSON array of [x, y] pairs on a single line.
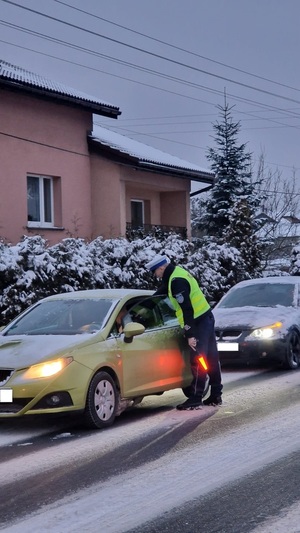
[[47, 369], [267, 332]]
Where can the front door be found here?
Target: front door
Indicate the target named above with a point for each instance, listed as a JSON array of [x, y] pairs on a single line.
[[137, 214]]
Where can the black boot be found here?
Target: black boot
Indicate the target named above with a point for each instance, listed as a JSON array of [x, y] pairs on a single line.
[[213, 400], [194, 402]]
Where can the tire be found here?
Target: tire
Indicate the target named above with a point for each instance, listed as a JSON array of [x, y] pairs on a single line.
[[102, 401], [292, 358], [187, 390]]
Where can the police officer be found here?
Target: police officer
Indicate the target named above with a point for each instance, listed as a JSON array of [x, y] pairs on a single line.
[[195, 317]]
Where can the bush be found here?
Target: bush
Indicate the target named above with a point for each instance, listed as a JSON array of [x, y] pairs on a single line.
[[31, 270]]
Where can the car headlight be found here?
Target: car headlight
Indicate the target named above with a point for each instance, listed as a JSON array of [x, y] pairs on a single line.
[[47, 369], [266, 332]]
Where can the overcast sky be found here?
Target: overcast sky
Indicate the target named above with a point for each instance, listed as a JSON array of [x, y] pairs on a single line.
[[167, 63]]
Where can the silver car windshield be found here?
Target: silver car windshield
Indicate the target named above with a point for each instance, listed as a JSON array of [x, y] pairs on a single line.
[[62, 317], [260, 295]]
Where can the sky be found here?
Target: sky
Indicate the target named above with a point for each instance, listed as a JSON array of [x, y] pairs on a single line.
[[168, 65]]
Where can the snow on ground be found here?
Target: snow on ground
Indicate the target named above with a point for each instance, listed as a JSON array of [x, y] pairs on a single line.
[[18, 434], [288, 522], [153, 483]]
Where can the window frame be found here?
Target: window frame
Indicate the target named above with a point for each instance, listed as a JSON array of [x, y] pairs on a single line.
[[42, 222]]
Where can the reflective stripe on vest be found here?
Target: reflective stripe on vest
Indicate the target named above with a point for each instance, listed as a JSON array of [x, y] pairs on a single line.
[[198, 300]]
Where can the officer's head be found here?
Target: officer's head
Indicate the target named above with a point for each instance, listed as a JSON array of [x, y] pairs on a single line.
[[158, 265]]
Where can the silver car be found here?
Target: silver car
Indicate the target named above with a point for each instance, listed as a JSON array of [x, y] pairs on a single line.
[[259, 320]]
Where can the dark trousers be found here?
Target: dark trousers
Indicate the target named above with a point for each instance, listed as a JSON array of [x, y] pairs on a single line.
[[206, 347]]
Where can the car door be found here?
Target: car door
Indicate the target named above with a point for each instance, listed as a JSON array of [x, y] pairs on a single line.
[[157, 360]]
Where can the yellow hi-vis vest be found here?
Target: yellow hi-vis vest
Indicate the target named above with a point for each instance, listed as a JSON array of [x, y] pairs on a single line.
[[198, 300]]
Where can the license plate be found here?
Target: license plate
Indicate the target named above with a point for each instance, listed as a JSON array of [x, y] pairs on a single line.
[[228, 346], [6, 396]]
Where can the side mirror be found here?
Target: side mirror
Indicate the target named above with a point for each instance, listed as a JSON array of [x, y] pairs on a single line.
[[131, 329]]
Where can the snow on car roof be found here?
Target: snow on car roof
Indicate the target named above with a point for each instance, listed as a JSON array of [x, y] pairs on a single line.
[[271, 279], [100, 293]]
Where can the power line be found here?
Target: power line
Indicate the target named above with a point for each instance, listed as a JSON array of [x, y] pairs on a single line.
[[156, 73], [153, 54], [189, 145], [176, 47], [137, 67]]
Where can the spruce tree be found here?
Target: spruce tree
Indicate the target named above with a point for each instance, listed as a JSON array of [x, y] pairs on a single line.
[[240, 234], [231, 164]]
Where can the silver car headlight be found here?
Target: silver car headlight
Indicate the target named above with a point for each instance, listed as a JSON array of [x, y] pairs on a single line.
[[266, 332]]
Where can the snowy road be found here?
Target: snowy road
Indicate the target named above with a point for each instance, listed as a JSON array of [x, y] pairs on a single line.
[[23, 430], [148, 471]]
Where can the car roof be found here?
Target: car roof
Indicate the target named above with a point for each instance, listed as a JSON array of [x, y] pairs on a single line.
[[271, 279], [111, 294]]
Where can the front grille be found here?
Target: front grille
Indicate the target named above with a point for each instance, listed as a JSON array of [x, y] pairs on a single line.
[[228, 334], [15, 406], [5, 374]]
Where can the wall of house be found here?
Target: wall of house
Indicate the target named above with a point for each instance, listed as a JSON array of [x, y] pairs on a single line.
[[108, 199], [115, 185], [169, 197], [49, 139]]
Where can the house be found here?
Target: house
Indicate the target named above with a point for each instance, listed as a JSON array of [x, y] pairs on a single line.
[[62, 176]]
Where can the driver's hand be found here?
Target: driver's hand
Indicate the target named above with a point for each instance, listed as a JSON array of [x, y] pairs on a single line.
[[86, 327]]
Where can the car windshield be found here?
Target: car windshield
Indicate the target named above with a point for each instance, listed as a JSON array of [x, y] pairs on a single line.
[[260, 295], [62, 317]]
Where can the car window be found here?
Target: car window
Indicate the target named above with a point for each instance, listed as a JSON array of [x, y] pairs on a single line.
[[153, 312], [260, 295], [146, 313], [167, 310], [62, 317]]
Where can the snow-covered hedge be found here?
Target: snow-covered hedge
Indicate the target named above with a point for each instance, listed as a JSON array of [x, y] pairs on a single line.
[[31, 270], [295, 261]]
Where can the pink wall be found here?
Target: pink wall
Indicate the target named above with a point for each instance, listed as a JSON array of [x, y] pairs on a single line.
[[115, 185], [92, 193], [107, 199], [48, 139]]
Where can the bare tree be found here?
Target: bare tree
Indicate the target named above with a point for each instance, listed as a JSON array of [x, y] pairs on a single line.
[[278, 224]]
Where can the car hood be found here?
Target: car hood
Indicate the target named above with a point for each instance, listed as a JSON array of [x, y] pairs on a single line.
[[254, 317], [20, 351]]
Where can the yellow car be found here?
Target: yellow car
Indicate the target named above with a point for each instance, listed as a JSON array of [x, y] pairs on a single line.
[[97, 352]]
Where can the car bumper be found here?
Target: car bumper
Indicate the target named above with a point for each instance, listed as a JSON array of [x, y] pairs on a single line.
[[253, 352], [66, 392]]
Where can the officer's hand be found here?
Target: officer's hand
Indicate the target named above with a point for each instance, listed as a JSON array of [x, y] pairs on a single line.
[[192, 342]]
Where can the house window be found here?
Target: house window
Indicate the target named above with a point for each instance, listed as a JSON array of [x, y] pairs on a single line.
[[137, 213], [40, 201]]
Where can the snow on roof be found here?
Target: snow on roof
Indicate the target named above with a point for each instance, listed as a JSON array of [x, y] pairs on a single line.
[[144, 153], [13, 73]]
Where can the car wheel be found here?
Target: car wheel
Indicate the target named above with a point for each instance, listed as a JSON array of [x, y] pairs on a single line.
[[292, 359], [188, 392], [102, 401]]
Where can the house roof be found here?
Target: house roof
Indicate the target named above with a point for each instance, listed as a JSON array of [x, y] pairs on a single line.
[[146, 157], [17, 78]]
